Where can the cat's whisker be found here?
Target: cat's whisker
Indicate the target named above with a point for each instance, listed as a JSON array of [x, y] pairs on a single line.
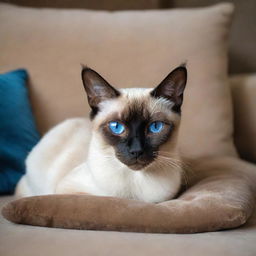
[[170, 161], [168, 153], [171, 156], [161, 166], [185, 178], [165, 163], [186, 167]]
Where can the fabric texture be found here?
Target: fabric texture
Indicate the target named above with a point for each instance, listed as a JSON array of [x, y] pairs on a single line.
[[221, 197], [242, 55], [18, 133], [88, 4], [33, 240], [243, 89], [129, 49]]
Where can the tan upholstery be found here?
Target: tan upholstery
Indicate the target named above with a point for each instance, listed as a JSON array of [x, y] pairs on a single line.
[[129, 49], [244, 101], [30, 241]]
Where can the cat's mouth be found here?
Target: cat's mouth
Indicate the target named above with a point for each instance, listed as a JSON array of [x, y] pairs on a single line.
[[136, 164], [139, 166]]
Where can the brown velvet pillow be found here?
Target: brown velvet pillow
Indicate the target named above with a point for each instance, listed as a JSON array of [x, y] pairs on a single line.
[[221, 197]]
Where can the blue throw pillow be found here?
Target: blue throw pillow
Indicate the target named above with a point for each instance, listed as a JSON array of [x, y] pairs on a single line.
[[18, 133]]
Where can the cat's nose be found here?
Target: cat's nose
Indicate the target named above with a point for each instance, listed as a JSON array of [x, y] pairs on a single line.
[[137, 153], [136, 148]]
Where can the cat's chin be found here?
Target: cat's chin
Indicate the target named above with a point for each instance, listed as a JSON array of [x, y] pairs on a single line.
[[139, 166], [136, 165]]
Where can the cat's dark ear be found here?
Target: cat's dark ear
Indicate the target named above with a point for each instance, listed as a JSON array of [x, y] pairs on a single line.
[[172, 87], [97, 88]]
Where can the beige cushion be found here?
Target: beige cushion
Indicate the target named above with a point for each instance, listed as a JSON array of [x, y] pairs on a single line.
[[244, 99], [132, 48]]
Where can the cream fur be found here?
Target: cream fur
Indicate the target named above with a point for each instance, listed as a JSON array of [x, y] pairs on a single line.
[[74, 158]]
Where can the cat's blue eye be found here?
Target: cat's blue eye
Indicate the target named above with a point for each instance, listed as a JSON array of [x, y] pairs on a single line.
[[116, 127], [156, 127]]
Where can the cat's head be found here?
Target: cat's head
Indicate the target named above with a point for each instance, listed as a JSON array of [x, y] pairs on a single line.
[[137, 123]]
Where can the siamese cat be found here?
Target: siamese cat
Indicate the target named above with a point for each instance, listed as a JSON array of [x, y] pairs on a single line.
[[128, 149]]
